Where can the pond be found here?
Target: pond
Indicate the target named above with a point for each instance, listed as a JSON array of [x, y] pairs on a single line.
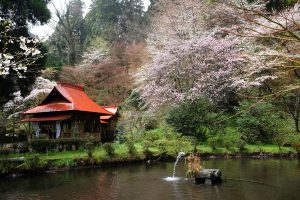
[[244, 179]]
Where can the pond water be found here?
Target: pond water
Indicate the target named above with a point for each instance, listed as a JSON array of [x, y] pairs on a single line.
[[244, 179]]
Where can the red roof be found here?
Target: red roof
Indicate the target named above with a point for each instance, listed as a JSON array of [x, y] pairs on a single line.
[[50, 108], [106, 117], [111, 109], [76, 99], [48, 118]]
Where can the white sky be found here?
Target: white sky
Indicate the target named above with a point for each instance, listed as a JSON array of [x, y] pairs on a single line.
[[46, 30]]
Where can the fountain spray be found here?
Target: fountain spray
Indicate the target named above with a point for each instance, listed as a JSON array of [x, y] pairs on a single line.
[[180, 154]]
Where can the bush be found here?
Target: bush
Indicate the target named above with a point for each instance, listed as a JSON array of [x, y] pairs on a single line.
[[294, 141], [232, 138], [6, 167], [64, 163], [153, 135], [59, 144], [195, 118], [280, 139], [34, 163], [259, 122], [109, 149], [5, 152], [214, 141], [131, 148], [90, 147]]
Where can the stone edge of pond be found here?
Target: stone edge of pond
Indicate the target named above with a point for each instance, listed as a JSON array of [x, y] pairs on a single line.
[[86, 163]]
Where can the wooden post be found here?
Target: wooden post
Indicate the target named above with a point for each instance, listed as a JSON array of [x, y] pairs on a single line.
[[100, 130], [29, 132]]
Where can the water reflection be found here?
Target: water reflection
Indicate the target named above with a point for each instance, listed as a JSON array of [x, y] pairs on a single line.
[[244, 179]]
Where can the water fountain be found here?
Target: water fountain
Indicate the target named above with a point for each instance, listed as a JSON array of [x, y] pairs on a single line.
[[174, 178]]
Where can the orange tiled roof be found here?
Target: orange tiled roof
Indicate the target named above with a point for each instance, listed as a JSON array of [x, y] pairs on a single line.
[[111, 109], [76, 98], [48, 118]]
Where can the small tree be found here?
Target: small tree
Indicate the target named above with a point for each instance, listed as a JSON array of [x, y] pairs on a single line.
[[259, 122], [232, 138], [195, 118], [294, 140]]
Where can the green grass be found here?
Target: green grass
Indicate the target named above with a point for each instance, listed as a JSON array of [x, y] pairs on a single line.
[[121, 152], [64, 155], [268, 149], [204, 149], [249, 149]]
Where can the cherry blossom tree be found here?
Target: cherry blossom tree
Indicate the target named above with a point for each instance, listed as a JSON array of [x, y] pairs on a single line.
[[13, 108], [189, 56], [40, 89], [173, 20], [19, 60], [270, 41], [188, 69], [194, 53]]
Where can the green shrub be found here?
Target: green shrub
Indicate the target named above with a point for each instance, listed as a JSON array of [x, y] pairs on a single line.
[[232, 138], [259, 121], [109, 149], [153, 135], [121, 151], [161, 145], [280, 139], [179, 144], [64, 163], [149, 139], [47, 145], [34, 162], [294, 141], [195, 118], [6, 167], [90, 148], [4, 152], [131, 148], [214, 141]]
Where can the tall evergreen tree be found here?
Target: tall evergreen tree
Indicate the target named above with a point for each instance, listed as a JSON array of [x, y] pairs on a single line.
[[117, 21]]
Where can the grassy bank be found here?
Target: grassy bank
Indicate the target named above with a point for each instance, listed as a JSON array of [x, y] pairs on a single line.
[[248, 149], [117, 153]]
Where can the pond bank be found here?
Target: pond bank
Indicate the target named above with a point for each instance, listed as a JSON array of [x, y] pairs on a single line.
[[38, 163]]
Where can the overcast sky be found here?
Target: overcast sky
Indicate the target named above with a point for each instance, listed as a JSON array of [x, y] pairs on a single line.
[[47, 30]]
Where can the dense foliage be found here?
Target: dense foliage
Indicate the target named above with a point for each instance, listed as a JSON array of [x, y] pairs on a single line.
[[117, 21], [259, 122], [198, 118]]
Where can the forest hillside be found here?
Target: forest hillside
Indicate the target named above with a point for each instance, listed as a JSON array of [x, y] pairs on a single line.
[[221, 73]]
